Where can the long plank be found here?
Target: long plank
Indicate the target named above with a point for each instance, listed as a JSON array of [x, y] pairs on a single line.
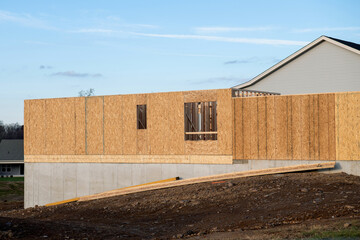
[[288, 169]]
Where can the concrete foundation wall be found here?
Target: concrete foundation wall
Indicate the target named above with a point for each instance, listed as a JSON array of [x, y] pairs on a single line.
[[51, 182]]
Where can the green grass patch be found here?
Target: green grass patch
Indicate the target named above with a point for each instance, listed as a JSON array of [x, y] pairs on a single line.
[[352, 232], [13, 179]]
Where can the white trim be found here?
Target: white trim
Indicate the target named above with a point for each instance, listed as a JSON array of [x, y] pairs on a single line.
[[292, 57]]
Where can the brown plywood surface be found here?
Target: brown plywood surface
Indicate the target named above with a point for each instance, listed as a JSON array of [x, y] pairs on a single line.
[[201, 147], [281, 127], [79, 108], [262, 127], [37, 129], [238, 129], [296, 127], [113, 125], [270, 127], [129, 124], [225, 121], [323, 127], [175, 112], [254, 123], [201, 96], [332, 133], [53, 126], [94, 125], [289, 127], [68, 126], [305, 127], [247, 128]]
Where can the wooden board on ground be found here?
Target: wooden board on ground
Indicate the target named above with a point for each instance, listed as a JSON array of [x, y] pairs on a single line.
[[296, 168]]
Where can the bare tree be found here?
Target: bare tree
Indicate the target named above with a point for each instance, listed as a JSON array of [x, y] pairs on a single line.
[[87, 93]]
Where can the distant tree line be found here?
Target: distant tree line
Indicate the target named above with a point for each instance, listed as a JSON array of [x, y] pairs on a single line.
[[11, 131]]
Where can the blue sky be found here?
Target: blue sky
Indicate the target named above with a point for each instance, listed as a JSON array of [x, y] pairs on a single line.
[[57, 48]]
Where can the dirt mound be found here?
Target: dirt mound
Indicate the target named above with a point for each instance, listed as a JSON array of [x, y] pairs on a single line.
[[244, 204]]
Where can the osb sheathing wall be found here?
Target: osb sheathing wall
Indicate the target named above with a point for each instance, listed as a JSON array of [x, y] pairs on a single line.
[[106, 125], [299, 127]]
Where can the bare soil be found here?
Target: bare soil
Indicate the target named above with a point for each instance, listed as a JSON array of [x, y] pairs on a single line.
[[275, 206]]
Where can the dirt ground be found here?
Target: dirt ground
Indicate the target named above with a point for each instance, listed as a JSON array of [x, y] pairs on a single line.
[[295, 205]]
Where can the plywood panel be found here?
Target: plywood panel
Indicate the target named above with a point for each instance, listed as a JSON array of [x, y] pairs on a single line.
[[201, 96], [289, 127], [312, 128], [262, 127], [27, 131], [175, 111], [316, 126], [113, 125], [129, 124], [347, 126], [270, 127], [158, 123], [305, 127], [79, 108], [37, 130], [94, 125], [254, 135], [247, 128], [281, 127], [296, 127], [323, 127], [201, 147], [68, 126], [239, 130], [53, 126], [332, 135], [225, 121]]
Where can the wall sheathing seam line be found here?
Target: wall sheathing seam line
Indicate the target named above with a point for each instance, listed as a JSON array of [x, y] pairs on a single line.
[[328, 122], [242, 123], [86, 152], [287, 127], [266, 128], [74, 109], [310, 129], [290, 132], [319, 126], [258, 135], [234, 133], [44, 150]]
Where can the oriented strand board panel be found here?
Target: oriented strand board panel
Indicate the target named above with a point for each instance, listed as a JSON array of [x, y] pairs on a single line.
[[79, 108], [289, 128], [323, 127], [94, 125], [332, 127], [202, 96], [176, 123], [129, 124], [238, 129], [262, 127], [254, 124], [68, 126], [37, 127], [53, 126], [347, 126], [225, 121], [247, 127], [305, 127], [201, 147], [296, 127], [113, 125], [270, 127], [281, 127]]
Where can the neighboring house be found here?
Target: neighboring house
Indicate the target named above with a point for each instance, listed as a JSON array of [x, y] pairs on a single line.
[[324, 65], [12, 157]]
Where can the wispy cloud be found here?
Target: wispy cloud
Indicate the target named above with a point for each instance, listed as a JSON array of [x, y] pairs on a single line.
[[23, 19], [253, 60], [231, 29], [327, 29], [45, 67], [226, 80], [77, 75], [95, 30], [225, 39]]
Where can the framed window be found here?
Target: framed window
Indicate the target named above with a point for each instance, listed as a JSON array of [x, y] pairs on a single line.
[[5, 168], [141, 116], [200, 121]]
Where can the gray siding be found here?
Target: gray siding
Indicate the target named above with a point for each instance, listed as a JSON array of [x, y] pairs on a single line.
[[325, 68]]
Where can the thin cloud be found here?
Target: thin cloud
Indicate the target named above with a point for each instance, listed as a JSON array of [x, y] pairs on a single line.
[[230, 80], [327, 29], [253, 60], [231, 29], [77, 75], [95, 30], [45, 67], [23, 19], [226, 39]]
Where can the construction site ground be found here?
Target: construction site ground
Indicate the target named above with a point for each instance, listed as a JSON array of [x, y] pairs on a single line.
[[292, 205]]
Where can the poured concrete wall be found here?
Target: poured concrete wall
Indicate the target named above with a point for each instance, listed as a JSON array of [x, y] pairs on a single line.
[[51, 182]]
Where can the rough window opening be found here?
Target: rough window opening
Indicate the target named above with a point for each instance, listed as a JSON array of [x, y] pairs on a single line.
[[200, 121], [141, 116]]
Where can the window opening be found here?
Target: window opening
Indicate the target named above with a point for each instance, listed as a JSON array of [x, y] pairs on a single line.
[[200, 121], [141, 116]]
